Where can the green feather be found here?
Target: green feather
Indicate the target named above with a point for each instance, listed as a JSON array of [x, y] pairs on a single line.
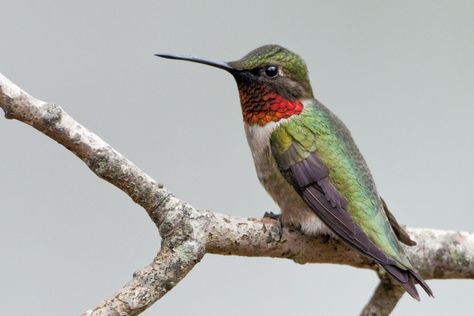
[[317, 130]]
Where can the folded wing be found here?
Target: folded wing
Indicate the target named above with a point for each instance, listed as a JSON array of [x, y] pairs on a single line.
[[310, 177]]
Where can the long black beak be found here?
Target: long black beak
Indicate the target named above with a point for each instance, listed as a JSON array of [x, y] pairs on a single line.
[[217, 64]]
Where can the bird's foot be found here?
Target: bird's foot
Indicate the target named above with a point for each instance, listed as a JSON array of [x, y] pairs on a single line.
[[325, 238], [277, 218], [272, 215]]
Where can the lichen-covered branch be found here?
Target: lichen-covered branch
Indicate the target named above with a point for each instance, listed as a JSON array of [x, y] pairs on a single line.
[[187, 233], [383, 301], [439, 254], [99, 156]]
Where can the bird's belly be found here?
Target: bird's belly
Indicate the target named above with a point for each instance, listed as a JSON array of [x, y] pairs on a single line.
[[294, 210]]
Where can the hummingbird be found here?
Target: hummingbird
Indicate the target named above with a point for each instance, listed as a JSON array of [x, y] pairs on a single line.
[[306, 159]]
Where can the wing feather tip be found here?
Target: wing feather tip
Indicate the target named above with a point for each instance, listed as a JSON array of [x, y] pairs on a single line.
[[407, 279]]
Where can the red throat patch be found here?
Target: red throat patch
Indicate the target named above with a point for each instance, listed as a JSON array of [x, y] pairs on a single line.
[[260, 105]]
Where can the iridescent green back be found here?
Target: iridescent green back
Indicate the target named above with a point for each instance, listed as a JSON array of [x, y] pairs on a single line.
[[317, 130]]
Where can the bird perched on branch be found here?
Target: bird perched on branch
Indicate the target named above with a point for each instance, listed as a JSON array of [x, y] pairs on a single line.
[[308, 162]]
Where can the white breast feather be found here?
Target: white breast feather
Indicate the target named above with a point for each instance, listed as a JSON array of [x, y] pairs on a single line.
[[293, 208]]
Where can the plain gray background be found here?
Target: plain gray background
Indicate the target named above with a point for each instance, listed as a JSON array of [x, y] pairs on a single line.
[[400, 75]]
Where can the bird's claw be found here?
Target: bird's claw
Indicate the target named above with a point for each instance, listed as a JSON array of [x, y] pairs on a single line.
[[279, 225], [325, 238], [272, 215]]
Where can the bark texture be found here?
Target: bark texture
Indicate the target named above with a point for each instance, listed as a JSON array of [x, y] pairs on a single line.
[[188, 233]]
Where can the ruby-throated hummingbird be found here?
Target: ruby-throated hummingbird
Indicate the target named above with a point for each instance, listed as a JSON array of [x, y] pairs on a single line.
[[308, 162]]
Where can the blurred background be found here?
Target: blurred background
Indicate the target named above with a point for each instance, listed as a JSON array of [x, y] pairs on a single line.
[[399, 74]]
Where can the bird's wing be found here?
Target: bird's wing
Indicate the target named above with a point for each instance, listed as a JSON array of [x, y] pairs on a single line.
[[309, 175]]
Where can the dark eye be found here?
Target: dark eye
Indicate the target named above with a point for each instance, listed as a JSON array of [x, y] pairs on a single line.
[[271, 71]]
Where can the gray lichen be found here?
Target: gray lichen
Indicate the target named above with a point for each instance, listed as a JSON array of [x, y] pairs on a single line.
[[51, 115]]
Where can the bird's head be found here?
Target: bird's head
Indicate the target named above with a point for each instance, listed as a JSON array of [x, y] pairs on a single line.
[[272, 82]]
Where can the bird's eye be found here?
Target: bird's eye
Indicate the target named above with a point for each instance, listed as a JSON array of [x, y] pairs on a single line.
[[271, 71]]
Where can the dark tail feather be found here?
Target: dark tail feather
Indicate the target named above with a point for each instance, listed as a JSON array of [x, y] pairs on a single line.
[[422, 283], [407, 279]]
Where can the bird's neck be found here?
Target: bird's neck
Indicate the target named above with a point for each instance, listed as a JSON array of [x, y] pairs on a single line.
[[261, 104]]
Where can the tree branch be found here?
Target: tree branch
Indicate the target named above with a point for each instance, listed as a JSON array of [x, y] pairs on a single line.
[[385, 298], [187, 233]]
